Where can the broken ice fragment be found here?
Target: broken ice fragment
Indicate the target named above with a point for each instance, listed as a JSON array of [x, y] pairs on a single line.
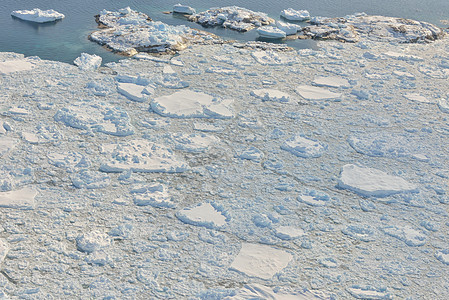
[[205, 215], [19, 199], [316, 93]]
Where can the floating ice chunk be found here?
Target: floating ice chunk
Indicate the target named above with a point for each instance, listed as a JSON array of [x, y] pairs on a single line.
[[417, 97], [19, 199], [271, 32], [271, 95], [303, 147], [408, 235], [155, 195], [328, 262], [371, 182], [331, 81], [6, 144], [443, 104], [295, 15], [260, 260], [88, 62], [98, 117], [288, 28], [316, 93], [205, 215], [37, 15], [4, 249], [90, 180], [140, 156], [92, 241], [221, 70], [443, 256], [69, 160], [189, 104], [368, 292], [401, 56], [183, 9], [196, 143], [314, 198], [15, 66], [167, 70], [289, 232], [363, 233], [252, 153], [172, 81], [207, 127], [132, 91]]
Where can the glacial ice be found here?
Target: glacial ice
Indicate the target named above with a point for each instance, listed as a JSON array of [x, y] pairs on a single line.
[[37, 15]]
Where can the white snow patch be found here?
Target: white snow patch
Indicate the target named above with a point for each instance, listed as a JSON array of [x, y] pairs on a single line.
[[132, 91], [140, 156], [260, 261], [19, 199], [204, 215], [190, 104], [371, 182], [316, 93], [37, 15]]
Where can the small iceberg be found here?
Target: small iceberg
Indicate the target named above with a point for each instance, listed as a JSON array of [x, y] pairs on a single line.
[[183, 9], [37, 15], [271, 32], [295, 15]]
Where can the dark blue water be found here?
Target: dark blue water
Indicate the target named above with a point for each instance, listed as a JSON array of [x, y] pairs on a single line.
[[66, 39]]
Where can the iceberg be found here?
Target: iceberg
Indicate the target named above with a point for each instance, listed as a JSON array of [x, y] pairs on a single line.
[[37, 15]]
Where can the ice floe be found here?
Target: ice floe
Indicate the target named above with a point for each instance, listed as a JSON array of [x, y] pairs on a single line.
[[4, 248], [271, 95], [205, 215], [190, 104], [232, 17], [155, 195], [90, 179], [331, 81], [19, 199], [304, 147], [140, 156], [92, 241], [309, 92], [443, 256], [288, 28], [368, 292], [183, 9], [373, 182], [271, 32], [37, 15], [260, 260], [408, 235], [195, 143], [295, 15], [15, 66], [289, 232]]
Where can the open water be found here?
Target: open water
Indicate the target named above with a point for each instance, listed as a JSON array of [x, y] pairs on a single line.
[[66, 39]]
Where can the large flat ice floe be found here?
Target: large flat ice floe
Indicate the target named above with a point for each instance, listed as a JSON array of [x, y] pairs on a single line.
[[38, 16], [373, 182]]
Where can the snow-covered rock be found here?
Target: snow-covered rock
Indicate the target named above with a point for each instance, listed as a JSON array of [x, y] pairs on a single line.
[[183, 9], [295, 15], [372, 182], [271, 32], [88, 62], [37, 15]]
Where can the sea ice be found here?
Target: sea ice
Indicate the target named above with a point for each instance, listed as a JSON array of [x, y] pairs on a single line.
[[183, 9], [71, 161], [4, 248], [260, 260], [190, 104], [288, 28], [15, 66], [368, 293], [195, 143], [271, 58], [443, 256], [92, 241], [408, 235], [88, 62], [155, 194], [133, 91], [19, 199], [303, 147], [371, 182], [97, 117], [37, 15], [295, 15], [252, 153], [316, 93], [271, 95], [289, 232], [140, 156], [363, 233], [314, 198], [6, 144], [417, 97], [90, 180], [205, 215], [271, 32], [443, 104], [331, 81], [258, 292]]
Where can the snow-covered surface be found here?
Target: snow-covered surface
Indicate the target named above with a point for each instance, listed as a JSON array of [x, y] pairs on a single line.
[[10, 66], [295, 15], [230, 194], [316, 93], [37, 15], [288, 28]]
